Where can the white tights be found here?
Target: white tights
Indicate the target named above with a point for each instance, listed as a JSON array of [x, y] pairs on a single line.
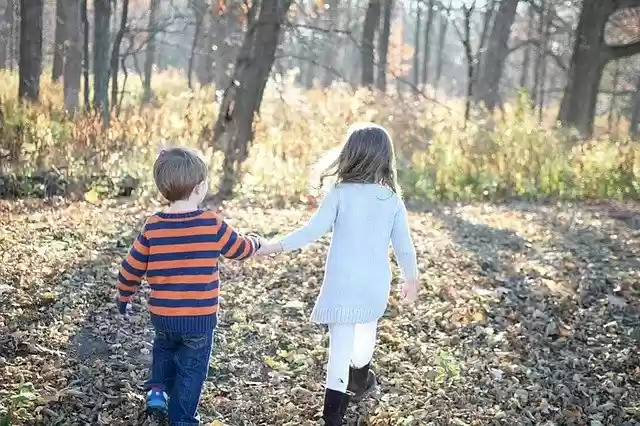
[[350, 344]]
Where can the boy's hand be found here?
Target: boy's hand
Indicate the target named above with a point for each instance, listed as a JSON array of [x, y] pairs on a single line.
[[122, 307], [409, 291], [267, 248]]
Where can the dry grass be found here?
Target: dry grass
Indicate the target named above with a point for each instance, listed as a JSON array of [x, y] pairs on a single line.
[[512, 157]]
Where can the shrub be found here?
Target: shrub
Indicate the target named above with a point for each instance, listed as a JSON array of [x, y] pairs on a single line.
[[438, 158]]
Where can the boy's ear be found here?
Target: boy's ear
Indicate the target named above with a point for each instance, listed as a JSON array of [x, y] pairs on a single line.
[[161, 146]]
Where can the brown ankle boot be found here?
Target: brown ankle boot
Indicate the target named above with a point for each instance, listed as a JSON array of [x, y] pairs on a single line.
[[361, 381], [335, 407]]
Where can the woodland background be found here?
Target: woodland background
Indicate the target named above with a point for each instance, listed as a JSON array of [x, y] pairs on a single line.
[[516, 124]]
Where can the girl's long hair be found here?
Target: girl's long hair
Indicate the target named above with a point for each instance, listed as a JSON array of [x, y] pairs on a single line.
[[366, 157]]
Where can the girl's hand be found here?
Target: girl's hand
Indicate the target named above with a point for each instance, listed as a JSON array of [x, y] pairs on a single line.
[[409, 291], [267, 248]]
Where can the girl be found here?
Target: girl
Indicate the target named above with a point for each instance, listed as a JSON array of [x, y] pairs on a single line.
[[365, 211]]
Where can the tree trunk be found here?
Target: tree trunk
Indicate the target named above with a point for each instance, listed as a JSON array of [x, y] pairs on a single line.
[[59, 45], [242, 98], [383, 46], [85, 56], [542, 81], [540, 50], [371, 23], [204, 61], [416, 47], [101, 54], [471, 65], [225, 28], [442, 36], [634, 125], [330, 45], [151, 51], [30, 49], [590, 55], [4, 33], [526, 53], [115, 55], [424, 78], [613, 101], [199, 13], [73, 57], [492, 63], [14, 32]]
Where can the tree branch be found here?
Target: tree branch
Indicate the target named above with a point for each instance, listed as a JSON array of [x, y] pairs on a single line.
[[534, 42], [626, 4], [624, 50]]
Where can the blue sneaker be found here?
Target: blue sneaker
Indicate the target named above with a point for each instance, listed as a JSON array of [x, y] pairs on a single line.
[[157, 401]]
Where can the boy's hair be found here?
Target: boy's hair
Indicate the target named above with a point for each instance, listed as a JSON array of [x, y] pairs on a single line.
[[177, 171], [366, 157]]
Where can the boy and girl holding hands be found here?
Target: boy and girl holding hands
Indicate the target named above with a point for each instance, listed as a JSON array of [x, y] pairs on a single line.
[[178, 251]]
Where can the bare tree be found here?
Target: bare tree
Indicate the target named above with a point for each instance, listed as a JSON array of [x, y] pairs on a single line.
[[526, 53], [590, 55], [59, 45], [85, 55], [416, 45], [73, 55], [200, 10], [115, 55], [492, 62], [427, 42], [634, 124], [150, 57], [242, 98], [101, 55], [329, 49], [613, 100], [465, 38], [442, 37], [371, 23], [4, 32], [30, 49], [383, 46]]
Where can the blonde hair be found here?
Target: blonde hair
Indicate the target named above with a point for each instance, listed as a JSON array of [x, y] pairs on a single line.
[[366, 157], [177, 171]]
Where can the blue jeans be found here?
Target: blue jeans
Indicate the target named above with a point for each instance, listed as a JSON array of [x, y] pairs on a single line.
[[179, 367]]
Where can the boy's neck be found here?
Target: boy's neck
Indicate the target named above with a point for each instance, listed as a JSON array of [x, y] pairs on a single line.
[[182, 206]]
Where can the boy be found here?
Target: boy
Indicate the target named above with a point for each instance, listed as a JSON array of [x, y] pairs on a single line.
[[178, 250]]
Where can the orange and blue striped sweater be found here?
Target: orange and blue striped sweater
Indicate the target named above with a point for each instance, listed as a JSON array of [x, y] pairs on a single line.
[[179, 253]]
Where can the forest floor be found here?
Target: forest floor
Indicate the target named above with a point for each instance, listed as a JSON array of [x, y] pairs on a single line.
[[529, 314]]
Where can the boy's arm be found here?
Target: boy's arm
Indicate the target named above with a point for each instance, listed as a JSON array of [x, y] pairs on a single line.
[[235, 245], [319, 224], [132, 269], [403, 247]]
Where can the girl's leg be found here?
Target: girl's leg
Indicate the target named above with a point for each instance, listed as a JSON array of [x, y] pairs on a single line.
[[364, 344], [341, 337], [336, 398]]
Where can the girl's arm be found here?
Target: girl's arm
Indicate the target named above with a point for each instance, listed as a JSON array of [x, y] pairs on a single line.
[[403, 247], [319, 224]]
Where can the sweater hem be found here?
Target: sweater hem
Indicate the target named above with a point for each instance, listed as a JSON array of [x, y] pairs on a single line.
[[345, 315], [192, 324]]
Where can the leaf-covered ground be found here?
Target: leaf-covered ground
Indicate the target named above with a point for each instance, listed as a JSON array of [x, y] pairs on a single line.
[[529, 314]]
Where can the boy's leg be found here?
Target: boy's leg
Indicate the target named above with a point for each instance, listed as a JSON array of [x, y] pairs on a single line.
[[163, 368], [192, 365]]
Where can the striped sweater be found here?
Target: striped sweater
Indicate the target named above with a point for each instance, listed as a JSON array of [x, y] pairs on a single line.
[[179, 253]]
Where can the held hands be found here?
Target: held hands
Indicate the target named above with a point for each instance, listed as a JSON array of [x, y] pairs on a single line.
[[269, 247], [409, 291]]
